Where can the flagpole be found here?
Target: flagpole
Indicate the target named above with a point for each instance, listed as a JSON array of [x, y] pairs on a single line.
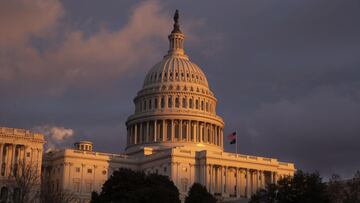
[[236, 141]]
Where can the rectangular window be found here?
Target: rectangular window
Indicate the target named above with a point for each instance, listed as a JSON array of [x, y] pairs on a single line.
[[88, 187], [77, 186], [77, 169], [89, 170]]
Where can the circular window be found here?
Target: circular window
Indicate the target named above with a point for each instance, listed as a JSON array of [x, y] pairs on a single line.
[[104, 172]]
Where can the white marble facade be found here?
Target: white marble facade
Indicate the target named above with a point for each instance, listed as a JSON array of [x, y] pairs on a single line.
[[174, 131], [19, 150]]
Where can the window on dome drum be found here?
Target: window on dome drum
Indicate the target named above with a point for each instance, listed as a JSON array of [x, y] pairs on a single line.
[[184, 102], [162, 102], [184, 130], [150, 104], [177, 130], [155, 103], [192, 131], [203, 134], [202, 105], [191, 104], [144, 105], [207, 106], [169, 101], [177, 102], [197, 104], [168, 125]]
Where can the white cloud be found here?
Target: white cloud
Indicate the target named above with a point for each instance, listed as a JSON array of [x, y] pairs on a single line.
[[55, 136]]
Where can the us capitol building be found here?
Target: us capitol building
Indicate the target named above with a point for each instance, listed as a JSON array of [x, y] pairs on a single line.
[[174, 131]]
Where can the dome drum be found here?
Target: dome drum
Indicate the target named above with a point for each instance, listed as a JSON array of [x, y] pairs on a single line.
[[175, 106]]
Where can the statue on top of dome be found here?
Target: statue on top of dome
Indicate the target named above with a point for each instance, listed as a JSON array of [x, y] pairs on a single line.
[[176, 23]]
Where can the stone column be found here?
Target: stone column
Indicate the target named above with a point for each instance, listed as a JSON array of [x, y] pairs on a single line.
[[201, 127], [248, 187], [127, 136], [13, 159], [141, 133], [188, 131], [94, 178], [155, 131], [211, 179], [194, 132], [172, 130], [263, 182], [222, 181], [164, 130], [276, 177], [1, 155], [82, 177], [238, 176], [64, 178], [147, 137], [180, 130], [135, 134], [221, 138]]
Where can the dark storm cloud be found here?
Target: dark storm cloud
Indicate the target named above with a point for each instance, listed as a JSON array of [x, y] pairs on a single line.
[[286, 73]]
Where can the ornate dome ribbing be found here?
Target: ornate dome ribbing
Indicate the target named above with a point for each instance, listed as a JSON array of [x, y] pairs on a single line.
[[175, 106]]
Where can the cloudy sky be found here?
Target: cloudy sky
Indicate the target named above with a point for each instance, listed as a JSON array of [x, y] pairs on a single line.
[[286, 73]]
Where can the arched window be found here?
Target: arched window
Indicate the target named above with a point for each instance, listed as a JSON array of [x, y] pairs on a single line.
[[202, 105], [4, 194], [150, 105], [191, 104], [197, 104], [207, 106], [155, 103], [184, 105], [177, 102], [16, 195], [162, 102], [169, 101], [144, 105]]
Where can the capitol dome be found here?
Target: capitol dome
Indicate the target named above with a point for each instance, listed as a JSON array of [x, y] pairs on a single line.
[[175, 106]]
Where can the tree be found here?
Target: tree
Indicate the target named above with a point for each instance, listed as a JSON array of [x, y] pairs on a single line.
[[335, 189], [127, 186], [199, 194], [27, 182], [352, 189], [302, 188]]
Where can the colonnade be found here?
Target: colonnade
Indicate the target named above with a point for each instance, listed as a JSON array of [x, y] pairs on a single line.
[[235, 181], [13, 156], [171, 130], [199, 103]]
